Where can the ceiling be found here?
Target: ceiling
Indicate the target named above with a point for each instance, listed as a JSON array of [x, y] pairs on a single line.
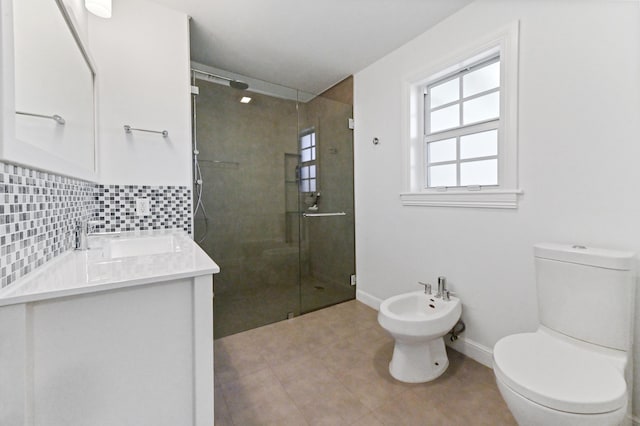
[[304, 44]]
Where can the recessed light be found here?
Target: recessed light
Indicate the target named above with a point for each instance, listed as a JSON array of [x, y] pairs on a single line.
[[245, 100]]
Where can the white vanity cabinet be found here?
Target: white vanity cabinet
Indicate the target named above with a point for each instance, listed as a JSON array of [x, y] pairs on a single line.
[[114, 344]]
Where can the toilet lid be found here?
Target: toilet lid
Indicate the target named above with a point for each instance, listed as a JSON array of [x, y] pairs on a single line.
[[559, 375]]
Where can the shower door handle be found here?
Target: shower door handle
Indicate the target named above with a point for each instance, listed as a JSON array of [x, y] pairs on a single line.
[[324, 214]]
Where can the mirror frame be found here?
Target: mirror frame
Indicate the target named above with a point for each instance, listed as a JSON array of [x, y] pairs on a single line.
[[15, 151]]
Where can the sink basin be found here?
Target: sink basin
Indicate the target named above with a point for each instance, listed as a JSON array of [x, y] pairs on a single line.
[[140, 246]]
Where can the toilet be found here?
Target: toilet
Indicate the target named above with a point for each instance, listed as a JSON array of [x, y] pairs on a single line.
[[574, 369], [418, 321]]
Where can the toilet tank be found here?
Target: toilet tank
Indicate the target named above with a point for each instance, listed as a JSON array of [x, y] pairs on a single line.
[[586, 293]]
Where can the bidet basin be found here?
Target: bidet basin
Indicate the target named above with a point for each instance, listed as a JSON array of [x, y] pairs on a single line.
[[417, 321], [417, 314]]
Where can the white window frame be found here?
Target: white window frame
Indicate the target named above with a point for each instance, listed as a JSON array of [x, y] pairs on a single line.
[[504, 43], [462, 129]]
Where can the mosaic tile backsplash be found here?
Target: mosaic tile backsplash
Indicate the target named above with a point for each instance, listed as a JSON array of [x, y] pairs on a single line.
[[170, 208], [39, 210]]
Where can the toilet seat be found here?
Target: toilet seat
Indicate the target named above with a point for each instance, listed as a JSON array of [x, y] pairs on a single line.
[[559, 375]]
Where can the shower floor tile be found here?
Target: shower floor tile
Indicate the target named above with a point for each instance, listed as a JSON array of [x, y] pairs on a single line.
[[330, 367], [237, 309]]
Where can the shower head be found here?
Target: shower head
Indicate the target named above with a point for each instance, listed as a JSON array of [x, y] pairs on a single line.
[[235, 84], [240, 85]]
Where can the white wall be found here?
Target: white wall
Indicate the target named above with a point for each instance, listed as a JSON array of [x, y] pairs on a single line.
[[79, 15], [142, 56], [578, 161]]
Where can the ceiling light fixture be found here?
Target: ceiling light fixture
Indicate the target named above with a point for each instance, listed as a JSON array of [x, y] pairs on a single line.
[[101, 8], [245, 100]]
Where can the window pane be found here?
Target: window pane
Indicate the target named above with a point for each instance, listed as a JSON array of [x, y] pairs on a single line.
[[482, 144], [313, 153], [483, 108], [445, 93], [313, 139], [304, 185], [312, 185], [445, 118], [479, 173], [306, 155], [305, 141], [442, 151], [304, 172], [485, 78], [442, 175], [312, 171]]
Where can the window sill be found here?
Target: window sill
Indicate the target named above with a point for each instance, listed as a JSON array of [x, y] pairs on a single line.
[[491, 199]]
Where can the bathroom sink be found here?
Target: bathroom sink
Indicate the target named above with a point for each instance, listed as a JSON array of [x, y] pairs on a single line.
[[140, 246]]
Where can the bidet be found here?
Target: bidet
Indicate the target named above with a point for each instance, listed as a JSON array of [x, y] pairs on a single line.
[[418, 322]]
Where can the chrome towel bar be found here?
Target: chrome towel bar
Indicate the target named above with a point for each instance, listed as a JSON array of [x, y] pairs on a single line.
[[128, 129], [323, 214], [54, 117]]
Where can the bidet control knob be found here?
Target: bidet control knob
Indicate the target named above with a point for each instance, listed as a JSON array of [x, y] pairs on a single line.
[[427, 287]]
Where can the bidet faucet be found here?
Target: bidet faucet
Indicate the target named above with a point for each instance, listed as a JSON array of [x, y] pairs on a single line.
[[427, 287], [442, 286]]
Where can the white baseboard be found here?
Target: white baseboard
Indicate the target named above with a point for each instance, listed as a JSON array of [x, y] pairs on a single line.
[[369, 300], [468, 347], [473, 350]]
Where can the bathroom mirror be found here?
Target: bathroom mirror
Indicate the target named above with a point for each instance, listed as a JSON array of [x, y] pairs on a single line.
[[48, 90]]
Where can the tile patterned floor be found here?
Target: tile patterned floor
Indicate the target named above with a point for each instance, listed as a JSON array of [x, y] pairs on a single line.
[[330, 367], [237, 309]]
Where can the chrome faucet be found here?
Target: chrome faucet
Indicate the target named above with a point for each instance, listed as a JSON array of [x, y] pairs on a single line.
[[442, 286], [82, 231], [427, 287], [446, 296]]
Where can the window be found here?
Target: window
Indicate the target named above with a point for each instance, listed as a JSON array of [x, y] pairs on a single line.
[[461, 127], [308, 164]]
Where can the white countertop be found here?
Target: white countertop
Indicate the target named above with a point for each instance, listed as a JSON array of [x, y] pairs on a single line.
[[113, 261]]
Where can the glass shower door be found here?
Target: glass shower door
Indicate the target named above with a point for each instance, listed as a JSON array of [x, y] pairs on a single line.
[[249, 228], [325, 175], [276, 201]]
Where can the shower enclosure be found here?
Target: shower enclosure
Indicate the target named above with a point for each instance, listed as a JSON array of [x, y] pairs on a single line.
[[276, 199]]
